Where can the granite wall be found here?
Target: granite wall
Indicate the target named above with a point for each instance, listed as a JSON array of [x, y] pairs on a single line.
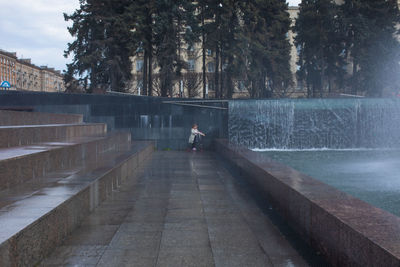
[[348, 231], [148, 118]]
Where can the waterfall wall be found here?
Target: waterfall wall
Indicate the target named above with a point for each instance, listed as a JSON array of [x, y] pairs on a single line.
[[315, 123]]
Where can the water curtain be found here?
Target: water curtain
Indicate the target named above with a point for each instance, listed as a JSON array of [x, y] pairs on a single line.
[[315, 123]]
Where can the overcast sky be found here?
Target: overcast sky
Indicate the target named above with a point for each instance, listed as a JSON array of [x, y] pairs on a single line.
[[36, 29]]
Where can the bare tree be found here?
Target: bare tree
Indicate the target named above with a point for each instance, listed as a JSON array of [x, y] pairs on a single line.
[[192, 82], [156, 83]]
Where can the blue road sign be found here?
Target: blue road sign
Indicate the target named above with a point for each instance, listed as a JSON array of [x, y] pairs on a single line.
[[5, 84]]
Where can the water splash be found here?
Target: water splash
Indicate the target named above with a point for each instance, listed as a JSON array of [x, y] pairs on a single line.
[[315, 123]]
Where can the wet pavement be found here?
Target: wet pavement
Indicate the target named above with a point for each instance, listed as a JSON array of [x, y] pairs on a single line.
[[184, 209]]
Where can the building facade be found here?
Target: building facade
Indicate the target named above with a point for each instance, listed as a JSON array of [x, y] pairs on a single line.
[[190, 84], [25, 76], [28, 76], [52, 80], [8, 62]]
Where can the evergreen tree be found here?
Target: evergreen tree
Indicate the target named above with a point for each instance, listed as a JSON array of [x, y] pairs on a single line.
[[205, 17], [201, 8], [142, 12], [173, 24], [230, 47], [118, 38], [265, 46], [85, 48], [213, 31], [321, 47], [277, 20], [102, 46], [220, 35], [247, 38], [372, 46]]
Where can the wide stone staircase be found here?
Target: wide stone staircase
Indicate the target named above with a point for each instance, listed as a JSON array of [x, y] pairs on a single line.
[[54, 170]]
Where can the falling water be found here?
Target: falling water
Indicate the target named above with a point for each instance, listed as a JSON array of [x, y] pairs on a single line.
[[315, 123]]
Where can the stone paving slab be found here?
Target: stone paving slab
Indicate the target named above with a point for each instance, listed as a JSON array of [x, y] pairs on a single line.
[[186, 209]]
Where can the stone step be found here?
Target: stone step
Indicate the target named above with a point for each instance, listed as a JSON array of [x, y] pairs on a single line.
[[19, 164], [11, 136], [8, 117], [38, 215]]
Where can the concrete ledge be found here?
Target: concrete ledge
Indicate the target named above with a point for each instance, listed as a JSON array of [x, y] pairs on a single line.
[[348, 231], [11, 136], [8, 117], [46, 229]]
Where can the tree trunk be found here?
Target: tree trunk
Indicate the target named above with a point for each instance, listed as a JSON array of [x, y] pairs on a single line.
[[149, 51], [229, 85], [323, 79], [216, 75], [145, 67], [229, 82], [217, 55], [221, 83], [203, 48], [150, 79], [354, 78]]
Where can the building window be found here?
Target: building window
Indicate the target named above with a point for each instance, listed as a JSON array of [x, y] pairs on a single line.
[[210, 67], [139, 65], [191, 64]]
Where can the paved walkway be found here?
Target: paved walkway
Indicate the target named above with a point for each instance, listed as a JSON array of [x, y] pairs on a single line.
[[185, 209]]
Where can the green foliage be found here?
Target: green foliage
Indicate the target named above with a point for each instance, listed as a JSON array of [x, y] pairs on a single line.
[[101, 49], [265, 46], [348, 46], [371, 43], [160, 29], [248, 40], [320, 41], [142, 13]]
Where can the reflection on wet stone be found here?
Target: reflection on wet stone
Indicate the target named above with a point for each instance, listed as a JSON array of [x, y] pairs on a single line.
[[188, 220]]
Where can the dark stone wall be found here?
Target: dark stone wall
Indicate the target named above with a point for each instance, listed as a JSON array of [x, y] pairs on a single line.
[[346, 230], [148, 118]]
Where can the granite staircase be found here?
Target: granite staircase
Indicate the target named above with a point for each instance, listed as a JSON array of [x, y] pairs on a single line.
[[54, 170]]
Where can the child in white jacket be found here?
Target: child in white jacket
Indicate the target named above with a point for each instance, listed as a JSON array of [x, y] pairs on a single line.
[[194, 137]]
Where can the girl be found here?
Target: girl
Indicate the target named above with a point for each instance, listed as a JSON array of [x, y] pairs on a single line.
[[194, 137]]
